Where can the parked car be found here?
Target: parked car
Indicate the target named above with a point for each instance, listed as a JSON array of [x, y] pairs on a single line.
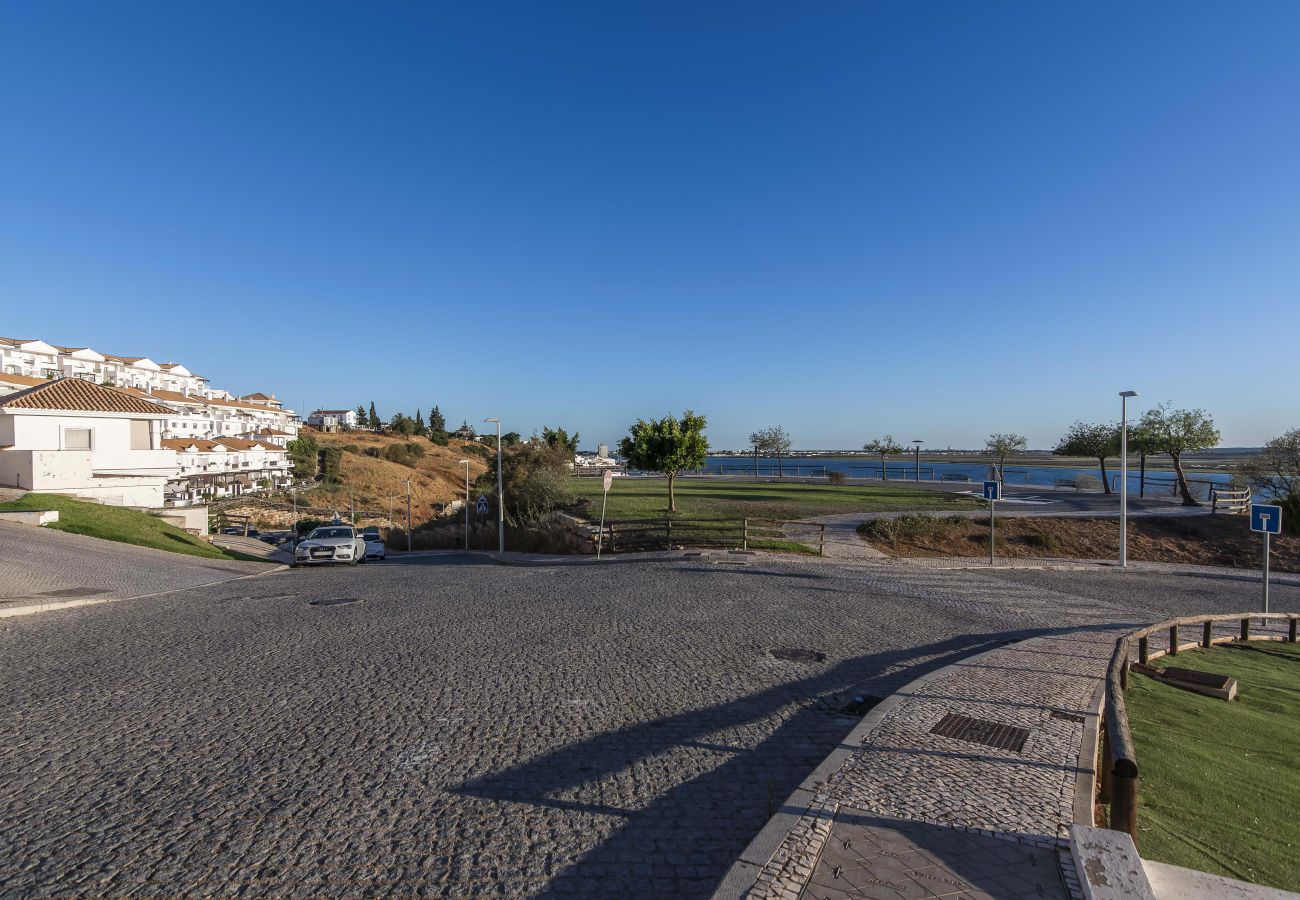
[[239, 530], [331, 544], [375, 546]]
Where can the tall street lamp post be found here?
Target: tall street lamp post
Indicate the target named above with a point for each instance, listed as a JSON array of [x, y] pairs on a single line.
[[501, 506], [1123, 476], [918, 458], [407, 482], [465, 463]]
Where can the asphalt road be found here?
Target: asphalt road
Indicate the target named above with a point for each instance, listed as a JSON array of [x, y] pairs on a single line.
[[472, 729], [40, 565]]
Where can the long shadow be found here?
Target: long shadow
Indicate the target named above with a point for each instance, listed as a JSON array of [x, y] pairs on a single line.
[[685, 839]]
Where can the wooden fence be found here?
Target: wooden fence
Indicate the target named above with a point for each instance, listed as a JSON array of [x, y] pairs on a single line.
[[1119, 765], [726, 534], [1237, 502]]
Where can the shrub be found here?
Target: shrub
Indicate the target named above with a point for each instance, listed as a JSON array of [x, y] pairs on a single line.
[[374, 452], [439, 438], [909, 526], [479, 450], [1046, 542], [351, 448], [408, 454], [1086, 482], [834, 477]]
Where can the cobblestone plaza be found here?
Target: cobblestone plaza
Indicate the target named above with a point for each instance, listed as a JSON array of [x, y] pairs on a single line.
[[473, 729]]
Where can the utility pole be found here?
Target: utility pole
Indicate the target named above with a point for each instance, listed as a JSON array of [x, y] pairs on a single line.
[[408, 514], [501, 505], [465, 463]]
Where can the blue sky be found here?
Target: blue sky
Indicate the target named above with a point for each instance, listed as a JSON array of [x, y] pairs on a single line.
[[932, 219]]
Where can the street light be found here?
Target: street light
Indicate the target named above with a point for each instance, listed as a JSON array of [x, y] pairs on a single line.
[[1123, 476], [407, 482], [918, 458], [465, 463], [501, 503]]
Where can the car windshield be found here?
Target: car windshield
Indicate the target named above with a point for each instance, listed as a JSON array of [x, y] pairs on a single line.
[[323, 533]]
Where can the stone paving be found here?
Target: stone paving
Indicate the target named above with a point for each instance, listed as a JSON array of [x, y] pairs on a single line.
[[989, 745], [474, 730]]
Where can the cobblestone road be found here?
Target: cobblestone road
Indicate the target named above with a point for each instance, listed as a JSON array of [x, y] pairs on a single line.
[[469, 729]]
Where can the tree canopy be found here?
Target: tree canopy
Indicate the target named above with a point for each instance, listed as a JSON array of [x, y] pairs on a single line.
[[1003, 444], [669, 446], [558, 437], [1178, 431], [883, 446], [1096, 440], [772, 441]]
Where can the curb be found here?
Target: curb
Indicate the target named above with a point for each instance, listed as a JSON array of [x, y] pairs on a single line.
[[93, 601]]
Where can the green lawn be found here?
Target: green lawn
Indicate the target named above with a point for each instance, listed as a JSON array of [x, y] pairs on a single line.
[[1220, 782], [647, 498], [113, 523]]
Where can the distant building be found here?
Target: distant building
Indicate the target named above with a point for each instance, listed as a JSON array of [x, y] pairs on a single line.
[[70, 436], [226, 467], [333, 419]]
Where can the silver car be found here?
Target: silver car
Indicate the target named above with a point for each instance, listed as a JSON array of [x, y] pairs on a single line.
[[331, 544]]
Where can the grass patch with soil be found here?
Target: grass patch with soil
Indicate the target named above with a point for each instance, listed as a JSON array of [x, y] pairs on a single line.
[[647, 498], [1220, 781], [1195, 540], [126, 526]]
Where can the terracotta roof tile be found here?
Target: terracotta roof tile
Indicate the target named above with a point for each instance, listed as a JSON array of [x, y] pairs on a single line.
[[25, 380], [79, 395]]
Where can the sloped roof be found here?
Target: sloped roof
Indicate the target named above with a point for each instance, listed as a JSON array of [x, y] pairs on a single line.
[[24, 380], [79, 395]]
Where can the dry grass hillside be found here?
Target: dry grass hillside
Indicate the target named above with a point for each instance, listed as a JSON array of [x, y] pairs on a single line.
[[438, 477]]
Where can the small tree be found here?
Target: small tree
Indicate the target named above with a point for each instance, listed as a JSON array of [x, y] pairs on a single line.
[[419, 425], [304, 454], [1275, 471], [558, 437], [511, 439], [362, 421], [885, 446], [669, 446], [437, 422], [772, 441], [374, 422], [1002, 445], [1179, 431], [1098, 441]]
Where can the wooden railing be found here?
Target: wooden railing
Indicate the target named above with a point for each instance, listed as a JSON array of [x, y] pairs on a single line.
[[1119, 765], [727, 534], [1228, 501]]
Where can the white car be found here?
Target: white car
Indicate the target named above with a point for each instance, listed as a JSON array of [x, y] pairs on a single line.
[[375, 546], [331, 544]]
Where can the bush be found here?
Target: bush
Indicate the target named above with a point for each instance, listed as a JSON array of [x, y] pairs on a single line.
[[439, 438], [407, 454], [1046, 542], [351, 448], [479, 450], [834, 477], [374, 452], [1087, 482], [909, 526]]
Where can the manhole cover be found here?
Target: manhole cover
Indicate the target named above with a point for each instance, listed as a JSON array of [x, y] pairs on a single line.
[[335, 601], [982, 731], [798, 655], [75, 592]]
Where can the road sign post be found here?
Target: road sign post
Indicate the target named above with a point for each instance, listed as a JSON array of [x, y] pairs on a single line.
[[608, 482], [1267, 520], [992, 493]]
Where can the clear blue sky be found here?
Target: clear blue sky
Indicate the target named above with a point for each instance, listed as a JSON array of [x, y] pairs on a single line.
[[934, 219]]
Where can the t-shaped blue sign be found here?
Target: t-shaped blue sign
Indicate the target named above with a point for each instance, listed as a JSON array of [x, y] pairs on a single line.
[[1267, 519], [992, 490]]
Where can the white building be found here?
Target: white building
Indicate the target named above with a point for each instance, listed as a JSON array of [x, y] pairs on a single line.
[[225, 467], [333, 419], [70, 436]]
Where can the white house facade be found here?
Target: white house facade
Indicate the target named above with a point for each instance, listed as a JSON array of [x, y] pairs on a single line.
[[70, 436], [332, 419], [225, 467]]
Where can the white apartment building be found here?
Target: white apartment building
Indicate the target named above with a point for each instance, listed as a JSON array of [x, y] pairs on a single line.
[[70, 436], [225, 467], [333, 419]]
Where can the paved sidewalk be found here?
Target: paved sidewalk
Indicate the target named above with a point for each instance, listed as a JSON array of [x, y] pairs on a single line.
[[963, 784]]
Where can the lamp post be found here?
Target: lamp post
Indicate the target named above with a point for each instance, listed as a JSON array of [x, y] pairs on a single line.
[[918, 458], [1123, 476], [501, 505], [465, 463], [407, 482]]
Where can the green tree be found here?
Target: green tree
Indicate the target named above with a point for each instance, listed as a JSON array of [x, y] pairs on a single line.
[[375, 424], [401, 423], [1275, 472], [361, 416], [885, 447], [668, 446], [511, 439], [1098, 441], [437, 422], [772, 441], [558, 437], [418, 427], [534, 480], [1179, 431], [303, 453], [1002, 445]]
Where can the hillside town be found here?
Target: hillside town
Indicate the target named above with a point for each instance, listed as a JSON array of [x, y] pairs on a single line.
[[129, 431]]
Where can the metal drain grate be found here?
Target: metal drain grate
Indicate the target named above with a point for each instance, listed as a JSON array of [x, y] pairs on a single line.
[[75, 592], [1067, 716], [798, 655], [335, 601], [982, 731]]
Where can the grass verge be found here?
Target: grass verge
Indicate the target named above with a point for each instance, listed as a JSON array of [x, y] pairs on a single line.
[[1220, 782], [647, 498], [126, 526]]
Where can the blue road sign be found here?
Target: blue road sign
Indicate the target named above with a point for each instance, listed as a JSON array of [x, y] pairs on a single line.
[[1267, 519], [992, 490], [482, 505]]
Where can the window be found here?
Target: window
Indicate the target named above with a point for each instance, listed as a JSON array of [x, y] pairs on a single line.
[[77, 438], [140, 434]]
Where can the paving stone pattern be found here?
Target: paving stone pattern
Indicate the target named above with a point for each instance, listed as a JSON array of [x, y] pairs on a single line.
[[474, 730]]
